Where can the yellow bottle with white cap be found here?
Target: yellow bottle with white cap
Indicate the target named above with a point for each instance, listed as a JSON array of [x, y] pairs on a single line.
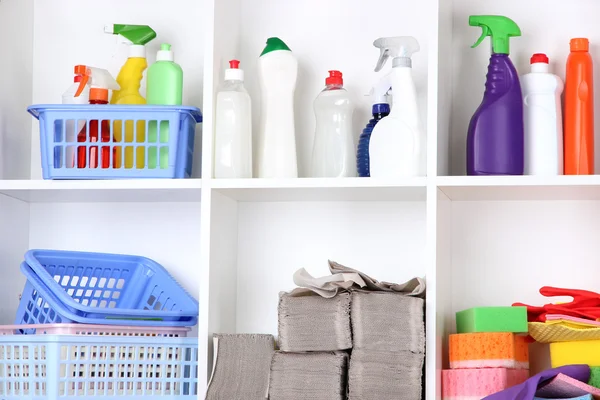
[[130, 79]]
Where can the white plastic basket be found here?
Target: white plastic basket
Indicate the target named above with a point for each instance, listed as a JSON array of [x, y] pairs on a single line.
[[95, 330], [50, 367]]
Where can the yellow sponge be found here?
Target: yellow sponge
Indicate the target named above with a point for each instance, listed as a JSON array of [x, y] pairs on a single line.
[[580, 352]]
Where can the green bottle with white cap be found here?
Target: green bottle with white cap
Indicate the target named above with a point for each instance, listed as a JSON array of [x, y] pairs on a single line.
[[165, 87], [165, 79]]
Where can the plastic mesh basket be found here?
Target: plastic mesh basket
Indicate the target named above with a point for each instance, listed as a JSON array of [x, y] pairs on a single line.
[[119, 289], [75, 367], [131, 141], [93, 330]]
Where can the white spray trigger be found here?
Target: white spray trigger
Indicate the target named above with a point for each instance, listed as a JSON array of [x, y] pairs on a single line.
[[398, 46]]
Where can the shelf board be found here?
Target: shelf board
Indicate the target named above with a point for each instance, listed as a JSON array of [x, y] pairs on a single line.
[[322, 189], [520, 188], [109, 191]]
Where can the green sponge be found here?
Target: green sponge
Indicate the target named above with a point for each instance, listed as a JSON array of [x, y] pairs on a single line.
[[594, 377], [492, 319]]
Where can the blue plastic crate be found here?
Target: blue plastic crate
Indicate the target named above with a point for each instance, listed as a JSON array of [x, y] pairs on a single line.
[[165, 140], [111, 287], [52, 367]]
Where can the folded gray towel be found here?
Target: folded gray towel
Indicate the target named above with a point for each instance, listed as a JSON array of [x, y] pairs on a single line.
[[377, 375], [304, 376], [314, 323], [241, 369], [387, 321]]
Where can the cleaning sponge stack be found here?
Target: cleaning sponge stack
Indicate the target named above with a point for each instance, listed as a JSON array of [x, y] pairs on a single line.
[[389, 346], [486, 356]]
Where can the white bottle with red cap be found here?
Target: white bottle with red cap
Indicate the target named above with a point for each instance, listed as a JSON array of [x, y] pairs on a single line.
[[334, 152], [233, 127], [543, 119]]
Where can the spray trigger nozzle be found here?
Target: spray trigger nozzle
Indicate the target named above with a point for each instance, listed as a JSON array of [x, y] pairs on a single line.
[[401, 48], [485, 33]]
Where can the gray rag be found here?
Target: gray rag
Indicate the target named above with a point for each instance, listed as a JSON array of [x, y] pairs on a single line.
[[303, 376], [376, 375], [344, 278], [241, 368], [314, 323], [386, 321]]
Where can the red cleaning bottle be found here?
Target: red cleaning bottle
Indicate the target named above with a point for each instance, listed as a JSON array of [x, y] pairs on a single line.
[[579, 110], [101, 82]]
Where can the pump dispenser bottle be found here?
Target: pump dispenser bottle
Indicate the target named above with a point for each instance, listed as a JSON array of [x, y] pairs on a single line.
[[397, 141]]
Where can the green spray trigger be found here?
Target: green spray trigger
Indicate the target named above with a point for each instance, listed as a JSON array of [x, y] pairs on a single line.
[[485, 33], [500, 28]]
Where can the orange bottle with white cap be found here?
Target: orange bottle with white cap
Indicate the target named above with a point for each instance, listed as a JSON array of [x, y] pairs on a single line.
[[579, 110], [101, 81]]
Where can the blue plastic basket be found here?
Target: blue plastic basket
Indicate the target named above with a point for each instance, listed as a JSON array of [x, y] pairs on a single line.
[[39, 305], [162, 135], [111, 286], [51, 367]]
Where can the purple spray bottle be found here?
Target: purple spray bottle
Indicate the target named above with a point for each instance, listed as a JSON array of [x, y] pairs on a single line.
[[495, 139]]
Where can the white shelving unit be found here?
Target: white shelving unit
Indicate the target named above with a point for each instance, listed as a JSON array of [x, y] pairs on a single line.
[[236, 243]]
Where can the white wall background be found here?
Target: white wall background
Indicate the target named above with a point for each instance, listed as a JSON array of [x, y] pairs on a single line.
[[383, 239], [16, 40]]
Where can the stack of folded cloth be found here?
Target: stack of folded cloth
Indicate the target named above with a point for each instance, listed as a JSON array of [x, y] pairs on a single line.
[[241, 367], [315, 376], [313, 333], [389, 346]]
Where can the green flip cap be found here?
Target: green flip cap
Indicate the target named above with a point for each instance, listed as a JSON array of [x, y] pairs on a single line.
[[500, 28]]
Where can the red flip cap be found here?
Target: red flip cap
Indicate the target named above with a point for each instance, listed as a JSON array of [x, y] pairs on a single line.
[[335, 78], [539, 58]]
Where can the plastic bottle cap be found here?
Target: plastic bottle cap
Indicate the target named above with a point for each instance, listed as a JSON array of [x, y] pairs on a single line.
[[274, 44], [137, 51], [580, 44], [234, 73], [539, 58], [99, 94], [335, 78], [165, 53]]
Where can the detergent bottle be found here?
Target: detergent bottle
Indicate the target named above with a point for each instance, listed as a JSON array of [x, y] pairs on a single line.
[[397, 141], [233, 127], [334, 152], [277, 73], [495, 139], [380, 109], [543, 119], [579, 110], [129, 79], [100, 81]]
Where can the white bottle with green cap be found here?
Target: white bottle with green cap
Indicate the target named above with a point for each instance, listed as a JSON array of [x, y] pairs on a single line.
[[276, 150]]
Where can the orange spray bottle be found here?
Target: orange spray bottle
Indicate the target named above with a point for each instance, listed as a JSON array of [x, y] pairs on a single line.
[[579, 110], [101, 81]]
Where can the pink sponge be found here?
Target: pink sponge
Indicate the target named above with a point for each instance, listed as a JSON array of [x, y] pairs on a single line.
[[563, 387], [474, 384]]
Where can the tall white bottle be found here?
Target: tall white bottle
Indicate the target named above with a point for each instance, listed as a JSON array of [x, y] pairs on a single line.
[[334, 152], [233, 127], [398, 140], [278, 72], [543, 119]]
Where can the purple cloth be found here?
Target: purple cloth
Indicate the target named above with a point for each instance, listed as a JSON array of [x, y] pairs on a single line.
[[527, 389]]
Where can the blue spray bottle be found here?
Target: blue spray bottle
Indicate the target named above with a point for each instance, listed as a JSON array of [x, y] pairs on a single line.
[[381, 109]]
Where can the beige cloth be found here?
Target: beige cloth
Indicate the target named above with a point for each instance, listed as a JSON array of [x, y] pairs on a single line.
[[314, 323], [308, 376], [345, 278], [241, 369]]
